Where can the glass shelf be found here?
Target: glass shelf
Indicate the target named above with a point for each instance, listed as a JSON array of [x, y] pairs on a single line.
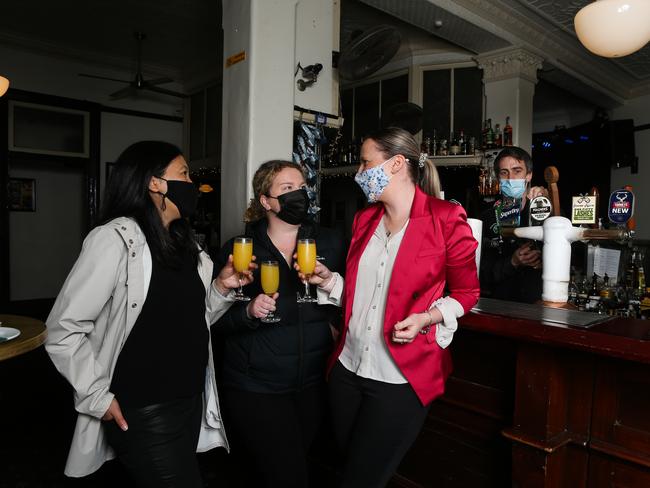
[[458, 160]]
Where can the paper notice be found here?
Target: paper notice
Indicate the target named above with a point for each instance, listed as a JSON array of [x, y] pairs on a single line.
[[606, 261]]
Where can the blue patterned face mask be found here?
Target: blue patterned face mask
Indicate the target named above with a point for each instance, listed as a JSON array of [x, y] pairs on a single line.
[[373, 181]]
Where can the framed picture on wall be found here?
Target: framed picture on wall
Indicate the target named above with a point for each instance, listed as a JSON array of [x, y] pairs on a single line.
[[22, 194]]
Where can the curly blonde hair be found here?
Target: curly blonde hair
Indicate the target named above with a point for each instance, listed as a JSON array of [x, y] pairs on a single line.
[[262, 182]]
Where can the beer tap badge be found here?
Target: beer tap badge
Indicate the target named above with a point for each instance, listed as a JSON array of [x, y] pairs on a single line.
[[540, 209], [621, 206], [583, 210], [508, 211]]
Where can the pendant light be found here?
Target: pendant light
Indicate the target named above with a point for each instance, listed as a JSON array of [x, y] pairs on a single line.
[[614, 28], [4, 85]]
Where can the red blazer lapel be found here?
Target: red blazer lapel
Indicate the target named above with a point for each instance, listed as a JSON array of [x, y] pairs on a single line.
[[366, 225], [397, 300]]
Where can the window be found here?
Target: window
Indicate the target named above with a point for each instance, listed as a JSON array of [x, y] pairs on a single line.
[[43, 129]]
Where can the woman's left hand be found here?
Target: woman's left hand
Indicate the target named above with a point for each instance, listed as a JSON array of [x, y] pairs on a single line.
[[408, 329], [230, 279], [320, 277]]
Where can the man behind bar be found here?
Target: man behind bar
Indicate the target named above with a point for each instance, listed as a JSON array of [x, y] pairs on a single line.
[[511, 269]]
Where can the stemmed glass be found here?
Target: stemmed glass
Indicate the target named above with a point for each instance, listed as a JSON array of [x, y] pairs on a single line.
[[270, 283], [307, 264], [242, 255]]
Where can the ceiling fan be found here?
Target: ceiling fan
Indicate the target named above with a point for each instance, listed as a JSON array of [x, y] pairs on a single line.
[[138, 83]]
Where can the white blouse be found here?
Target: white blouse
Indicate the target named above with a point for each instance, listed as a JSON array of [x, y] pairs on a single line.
[[365, 352]]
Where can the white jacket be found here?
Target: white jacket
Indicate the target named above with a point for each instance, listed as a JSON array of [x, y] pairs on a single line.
[[90, 323]]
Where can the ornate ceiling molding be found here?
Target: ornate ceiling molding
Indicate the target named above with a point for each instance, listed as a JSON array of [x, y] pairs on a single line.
[[509, 63]]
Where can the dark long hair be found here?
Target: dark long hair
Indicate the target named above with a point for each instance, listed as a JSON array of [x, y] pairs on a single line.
[[127, 195]]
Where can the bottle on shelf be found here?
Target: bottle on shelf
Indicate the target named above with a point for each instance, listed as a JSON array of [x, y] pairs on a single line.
[[433, 148], [471, 146], [507, 133], [573, 291], [594, 295], [461, 142], [425, 147], [443, 148], [454, 148], [498, 137], [490, 135]]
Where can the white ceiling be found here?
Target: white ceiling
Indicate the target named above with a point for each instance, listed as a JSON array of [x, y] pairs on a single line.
[[184, 36]]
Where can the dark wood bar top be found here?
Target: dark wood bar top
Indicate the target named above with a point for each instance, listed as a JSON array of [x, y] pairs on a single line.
[[622, 338]]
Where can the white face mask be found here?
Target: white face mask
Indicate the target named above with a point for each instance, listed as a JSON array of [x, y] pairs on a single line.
[[373, 181]]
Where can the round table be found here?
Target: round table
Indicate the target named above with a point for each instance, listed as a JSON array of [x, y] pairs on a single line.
[[32, 335]]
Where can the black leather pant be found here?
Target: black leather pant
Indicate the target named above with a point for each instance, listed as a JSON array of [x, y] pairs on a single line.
[[159, 448]]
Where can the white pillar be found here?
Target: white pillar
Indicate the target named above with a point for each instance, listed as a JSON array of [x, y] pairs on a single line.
[[509, 78], [257, 98]]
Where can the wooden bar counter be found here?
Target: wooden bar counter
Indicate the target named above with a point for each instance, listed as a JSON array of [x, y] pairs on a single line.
[[539, 404]]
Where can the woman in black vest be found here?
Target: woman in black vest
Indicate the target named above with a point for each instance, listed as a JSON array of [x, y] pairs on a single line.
[[273, 375]]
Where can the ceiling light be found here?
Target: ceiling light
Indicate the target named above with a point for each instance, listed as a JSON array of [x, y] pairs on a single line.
[[614, 28], [4, 85]]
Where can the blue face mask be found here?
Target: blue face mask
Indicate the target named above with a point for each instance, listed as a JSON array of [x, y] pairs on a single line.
[[513, 188], [373, 181]]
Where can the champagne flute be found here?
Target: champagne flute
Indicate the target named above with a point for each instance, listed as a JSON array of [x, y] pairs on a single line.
[[242, 255], [270, 281], [307, 263]]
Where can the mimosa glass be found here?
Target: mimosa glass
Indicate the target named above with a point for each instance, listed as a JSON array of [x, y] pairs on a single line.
[[270, 281], [307, 264], [242, 255]]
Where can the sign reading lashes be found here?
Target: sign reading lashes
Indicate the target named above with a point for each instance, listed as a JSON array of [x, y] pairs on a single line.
[[621, 206], [583, 210]]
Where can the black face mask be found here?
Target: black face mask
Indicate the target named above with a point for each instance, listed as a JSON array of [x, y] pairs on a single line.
[[293, 206], [183, 194]]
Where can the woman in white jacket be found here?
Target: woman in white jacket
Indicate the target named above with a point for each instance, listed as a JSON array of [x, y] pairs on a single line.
[[130, 327]]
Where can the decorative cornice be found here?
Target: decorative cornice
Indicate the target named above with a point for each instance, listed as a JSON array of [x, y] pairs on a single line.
[[509, 63]]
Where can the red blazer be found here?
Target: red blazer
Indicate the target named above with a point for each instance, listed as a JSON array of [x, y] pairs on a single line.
[[437, 252]]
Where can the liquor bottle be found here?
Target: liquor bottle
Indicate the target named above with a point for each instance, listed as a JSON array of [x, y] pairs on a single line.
[[507, 133], [454, 148], [490, 135], [433, 149], [640, 272], [573, 291], [461, 142], [484, 135], [425, 147], [594, 295], [498, 138], [443, 148], [644, 306]]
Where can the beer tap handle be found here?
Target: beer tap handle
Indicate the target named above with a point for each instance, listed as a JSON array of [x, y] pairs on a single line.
[[552, 176]]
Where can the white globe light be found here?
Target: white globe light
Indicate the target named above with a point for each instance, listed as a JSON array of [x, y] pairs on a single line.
[[614, 28]]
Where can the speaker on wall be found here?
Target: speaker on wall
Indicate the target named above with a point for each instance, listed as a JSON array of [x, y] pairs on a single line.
[[620, 136]]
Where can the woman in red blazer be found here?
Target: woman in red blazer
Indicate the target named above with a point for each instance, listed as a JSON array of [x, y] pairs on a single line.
[[410, 273]]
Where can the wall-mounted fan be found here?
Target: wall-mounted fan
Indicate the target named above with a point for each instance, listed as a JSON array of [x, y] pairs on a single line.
[[406, 115], [368, 51], [138, 83]]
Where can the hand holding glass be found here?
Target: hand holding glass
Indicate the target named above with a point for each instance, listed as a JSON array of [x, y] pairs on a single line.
[[307, 263], [242, 255], [270, 281]]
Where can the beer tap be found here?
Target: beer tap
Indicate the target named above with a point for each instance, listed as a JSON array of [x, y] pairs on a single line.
[[558, 234]]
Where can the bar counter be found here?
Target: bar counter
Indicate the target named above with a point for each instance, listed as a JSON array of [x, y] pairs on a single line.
[[532, 403]]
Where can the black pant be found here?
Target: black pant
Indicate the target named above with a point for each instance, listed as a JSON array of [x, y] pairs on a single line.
[[375, 423], [272, 433], [159, 448]]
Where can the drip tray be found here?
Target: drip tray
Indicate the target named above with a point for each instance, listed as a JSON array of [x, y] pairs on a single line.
[[571, 318]]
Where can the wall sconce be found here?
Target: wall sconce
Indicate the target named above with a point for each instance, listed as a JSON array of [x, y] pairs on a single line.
[[614, 28], [309, 74], [4, 85]]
